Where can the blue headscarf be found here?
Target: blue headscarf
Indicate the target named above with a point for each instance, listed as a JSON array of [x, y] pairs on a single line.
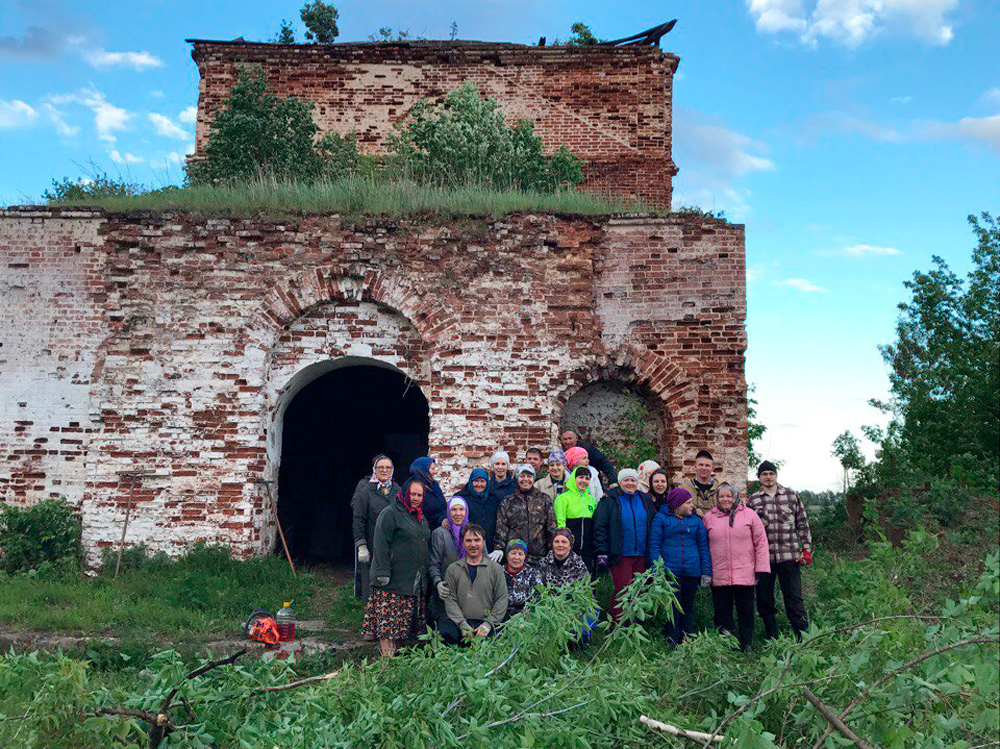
[[468, 492], [435, 504]]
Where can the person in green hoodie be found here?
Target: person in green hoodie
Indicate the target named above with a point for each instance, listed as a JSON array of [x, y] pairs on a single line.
[[575, 510]]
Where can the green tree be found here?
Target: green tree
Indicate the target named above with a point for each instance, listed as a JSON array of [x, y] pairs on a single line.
[[257, 134], [755, 430], [582, 36], [286, 33], [466, 140], [321, 22], [945, 365], [847, 450]]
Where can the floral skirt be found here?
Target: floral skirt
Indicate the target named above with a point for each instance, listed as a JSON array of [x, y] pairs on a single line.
[[392, 616]]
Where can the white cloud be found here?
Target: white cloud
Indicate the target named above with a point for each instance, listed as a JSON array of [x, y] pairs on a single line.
[[58, 120], [16, 113], [991, 97], [174, 158], [852, 22], [862, 250], [799, 284], [125, 158], [108, 119], [900, 99], [101, 59], [985, 129], [189, 115], [714, 159], [164, 126]]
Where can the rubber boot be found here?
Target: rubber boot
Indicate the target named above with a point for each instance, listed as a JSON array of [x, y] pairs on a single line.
[[771, 628]]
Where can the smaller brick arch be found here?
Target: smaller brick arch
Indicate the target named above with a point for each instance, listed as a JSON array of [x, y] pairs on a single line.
[[292, 298]]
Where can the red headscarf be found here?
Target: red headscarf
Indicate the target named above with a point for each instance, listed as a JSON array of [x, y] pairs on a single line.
[[405, 499]]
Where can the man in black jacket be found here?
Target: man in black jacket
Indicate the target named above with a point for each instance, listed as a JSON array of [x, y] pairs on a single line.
[[598, 460]]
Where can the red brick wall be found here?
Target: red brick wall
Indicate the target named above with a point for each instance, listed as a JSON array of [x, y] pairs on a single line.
[[610, 106], [173, 343]]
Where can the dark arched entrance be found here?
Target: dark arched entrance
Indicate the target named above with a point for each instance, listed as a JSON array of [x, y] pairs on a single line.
[[331, 431]]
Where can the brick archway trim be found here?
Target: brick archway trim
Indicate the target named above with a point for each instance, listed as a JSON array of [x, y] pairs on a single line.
[[293, 298]]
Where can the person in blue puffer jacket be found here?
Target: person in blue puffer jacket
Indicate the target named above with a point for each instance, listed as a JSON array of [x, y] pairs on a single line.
[[679, 538]]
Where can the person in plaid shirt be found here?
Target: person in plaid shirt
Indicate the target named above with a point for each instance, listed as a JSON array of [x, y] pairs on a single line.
[[790, 545]]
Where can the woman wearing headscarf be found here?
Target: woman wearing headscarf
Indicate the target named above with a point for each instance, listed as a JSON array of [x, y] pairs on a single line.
[[575, 510], [554, 482], [737, 543], [435, 505], [561, 567], [523, 579], [395, 609], [502, 485], [659, 487], [622, 523], [577, 457], [644, 470], [679, 539], [482, 507], [371, 496], [446, 547]]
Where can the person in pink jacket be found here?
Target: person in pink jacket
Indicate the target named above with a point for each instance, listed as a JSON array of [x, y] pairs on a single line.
[[738, 545]]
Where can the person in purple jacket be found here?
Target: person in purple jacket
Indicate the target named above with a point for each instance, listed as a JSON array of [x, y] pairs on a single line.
[[680, 541]]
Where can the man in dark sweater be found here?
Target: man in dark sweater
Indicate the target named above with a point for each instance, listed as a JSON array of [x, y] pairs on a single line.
[[598, 460]]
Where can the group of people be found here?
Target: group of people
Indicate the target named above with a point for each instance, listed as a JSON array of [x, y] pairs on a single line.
[[466, 564]]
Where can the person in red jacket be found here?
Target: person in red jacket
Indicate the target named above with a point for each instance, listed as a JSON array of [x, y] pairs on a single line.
[[738, 545]]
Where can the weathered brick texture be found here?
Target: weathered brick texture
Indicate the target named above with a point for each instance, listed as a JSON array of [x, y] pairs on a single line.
[[609, 105], [172, 344]]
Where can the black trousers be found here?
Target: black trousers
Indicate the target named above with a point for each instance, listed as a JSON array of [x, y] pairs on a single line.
[[453, 635], [790, 579], [682, 622], [724, 597]]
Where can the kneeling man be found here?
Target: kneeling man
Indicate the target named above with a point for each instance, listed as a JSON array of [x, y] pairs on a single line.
[[477, 592]]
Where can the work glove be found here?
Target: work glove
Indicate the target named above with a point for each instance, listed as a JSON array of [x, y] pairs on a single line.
[[706, 580], [602, 562], [381, 582], [496, 555], [363, 556], [806, 559], [484, 629], [442, 589]]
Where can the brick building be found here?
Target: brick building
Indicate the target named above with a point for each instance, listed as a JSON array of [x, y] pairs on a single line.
[[216, 354]]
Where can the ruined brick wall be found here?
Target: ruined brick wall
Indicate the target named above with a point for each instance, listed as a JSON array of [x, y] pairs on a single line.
[[610, 106], [174, 343]]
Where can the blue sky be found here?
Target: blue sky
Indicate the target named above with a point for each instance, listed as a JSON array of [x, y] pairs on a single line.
[[853, 137]]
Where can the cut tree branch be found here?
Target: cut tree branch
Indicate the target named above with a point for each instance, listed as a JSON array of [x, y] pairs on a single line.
[[684, 733], [834, 720]]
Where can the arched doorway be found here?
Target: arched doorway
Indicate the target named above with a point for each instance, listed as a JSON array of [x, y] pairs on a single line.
[[622, 418], [330, 431]]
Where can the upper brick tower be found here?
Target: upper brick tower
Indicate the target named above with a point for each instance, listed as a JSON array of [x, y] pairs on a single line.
[[609, 105]]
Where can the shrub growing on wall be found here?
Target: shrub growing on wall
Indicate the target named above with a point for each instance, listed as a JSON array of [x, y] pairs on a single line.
[[466, 141], [259, 135], [46, 533]]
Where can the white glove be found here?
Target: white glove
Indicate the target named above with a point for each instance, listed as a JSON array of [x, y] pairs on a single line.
[[706, 580], [363, 556], [496, 555], [442, 589]]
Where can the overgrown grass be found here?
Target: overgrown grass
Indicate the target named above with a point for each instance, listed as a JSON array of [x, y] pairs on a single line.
[[203, 592], [358, 197]]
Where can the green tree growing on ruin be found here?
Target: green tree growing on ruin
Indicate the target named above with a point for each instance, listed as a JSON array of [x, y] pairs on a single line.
[[465, 140], [320, 20], [847, 450], [582, 36], [286, 33], [256, 134]]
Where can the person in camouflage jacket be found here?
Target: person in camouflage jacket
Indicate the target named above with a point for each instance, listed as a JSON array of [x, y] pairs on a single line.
[[527, 514]]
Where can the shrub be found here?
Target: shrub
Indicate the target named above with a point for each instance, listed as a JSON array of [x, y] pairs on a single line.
[[466, 140], [257, 134], [47, 533]]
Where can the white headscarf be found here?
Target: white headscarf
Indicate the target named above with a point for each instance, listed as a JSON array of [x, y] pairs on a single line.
[[646, 468]]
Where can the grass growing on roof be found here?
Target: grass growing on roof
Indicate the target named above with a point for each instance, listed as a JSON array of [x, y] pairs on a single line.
[[355, 197]]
